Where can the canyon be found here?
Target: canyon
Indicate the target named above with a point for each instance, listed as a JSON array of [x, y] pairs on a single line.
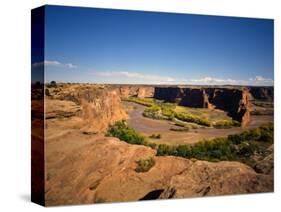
[[85, 166], [235, 101]]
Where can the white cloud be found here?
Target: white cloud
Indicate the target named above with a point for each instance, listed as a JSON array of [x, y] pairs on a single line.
[[261, 80], [136, 77], [212, 80], [145, 78], [257, 80], [53, 63]]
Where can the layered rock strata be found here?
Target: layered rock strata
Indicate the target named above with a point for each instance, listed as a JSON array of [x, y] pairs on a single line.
[[234, 101]]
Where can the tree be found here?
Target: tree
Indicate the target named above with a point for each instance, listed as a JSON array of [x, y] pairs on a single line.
[[47, 92], [53, 84]]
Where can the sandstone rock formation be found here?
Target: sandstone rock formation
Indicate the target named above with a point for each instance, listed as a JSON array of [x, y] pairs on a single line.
[[141, 91], [97, 106], [98, 169], [84, 167], [262, 92], [61, 109], [266, 165], [208, 179], [235, 101]]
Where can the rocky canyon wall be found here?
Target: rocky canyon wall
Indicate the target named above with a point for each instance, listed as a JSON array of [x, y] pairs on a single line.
[[99, 106], [232, 100], [141, 91], [262, 93]]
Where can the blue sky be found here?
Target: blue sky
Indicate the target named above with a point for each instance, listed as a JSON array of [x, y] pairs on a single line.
[[117, 46]]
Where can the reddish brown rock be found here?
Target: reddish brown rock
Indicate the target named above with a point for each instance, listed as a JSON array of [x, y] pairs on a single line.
[[103, 170], [262, 92], [204, 178], [98, 106], [141, 91], [235, 101]]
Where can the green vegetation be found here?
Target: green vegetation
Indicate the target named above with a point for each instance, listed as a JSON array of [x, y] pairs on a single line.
[[185, 129], [130, 135], [156, 109], [153, 112], [213, 150], [52, 84], [212, 115], [47, 92], [125, 133], [167, 111], [190, 118], [145, 165], [158, 136], [226, 124], [262, 134], [239, 147]]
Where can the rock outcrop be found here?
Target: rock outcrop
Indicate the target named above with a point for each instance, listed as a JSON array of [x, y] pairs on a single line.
[[97, 106], [210, 179], [235, 101], [141, 91], [83, 166], [103, 170], [262, 92], [61, 109], [266, 165]]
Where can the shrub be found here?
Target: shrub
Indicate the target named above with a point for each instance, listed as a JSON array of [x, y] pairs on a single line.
[[216, 149], [159, 110], [153, 112], [266, 137], [125, 133], [47, 92], [185, 129], [263, 133], [246, 149], [151, 145], [235, 139], [145, 165], [227, 124], [53, 84], [240, 147], [195, 119], [184, 151], [164, 149], [169, 114]]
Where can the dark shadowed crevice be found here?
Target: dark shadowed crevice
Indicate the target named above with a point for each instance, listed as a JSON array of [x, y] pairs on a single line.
[[152, 195]]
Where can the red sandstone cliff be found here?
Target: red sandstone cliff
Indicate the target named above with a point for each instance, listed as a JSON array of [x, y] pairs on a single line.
[[232, 100], [262, 93], [141, 91], [98, 107]]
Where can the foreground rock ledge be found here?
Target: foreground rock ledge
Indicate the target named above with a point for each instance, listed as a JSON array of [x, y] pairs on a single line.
[[103, 170]]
